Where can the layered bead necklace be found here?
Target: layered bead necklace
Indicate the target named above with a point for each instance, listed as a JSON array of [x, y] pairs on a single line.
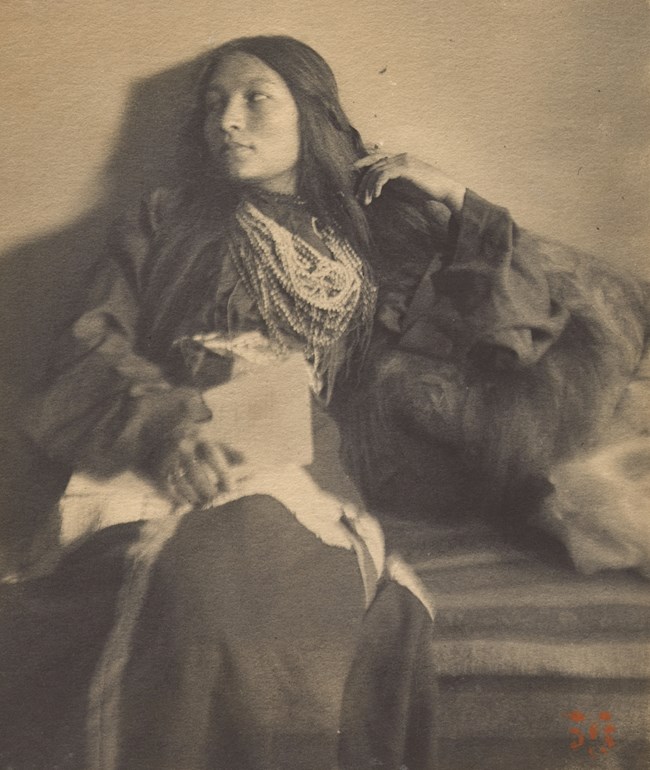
[[300, 290]]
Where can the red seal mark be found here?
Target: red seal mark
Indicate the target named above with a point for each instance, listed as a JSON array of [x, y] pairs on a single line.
[[594, 736]]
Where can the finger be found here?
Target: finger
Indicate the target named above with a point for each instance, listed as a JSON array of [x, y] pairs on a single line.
[[180, 489], [376, 181], [215, 458], [368, 160], [385, 176], [375, 162], [203, 480], [190, 482], [368, 180]]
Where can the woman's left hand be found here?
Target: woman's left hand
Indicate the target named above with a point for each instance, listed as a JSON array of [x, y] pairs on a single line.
[[380, 168]]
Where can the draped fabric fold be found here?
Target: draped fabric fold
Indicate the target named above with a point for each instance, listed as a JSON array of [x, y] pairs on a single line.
[[492, 303]]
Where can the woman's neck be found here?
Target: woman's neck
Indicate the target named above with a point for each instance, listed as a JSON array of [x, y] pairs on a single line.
[[291, 212], [258, 195]]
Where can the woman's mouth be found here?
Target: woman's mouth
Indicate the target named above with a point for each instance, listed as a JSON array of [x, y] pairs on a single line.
[[236, 148]]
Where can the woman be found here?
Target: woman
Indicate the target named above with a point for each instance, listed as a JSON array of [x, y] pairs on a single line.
[[260, 626]]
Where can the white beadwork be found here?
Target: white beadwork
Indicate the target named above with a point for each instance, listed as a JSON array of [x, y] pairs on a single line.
[[296, 286]]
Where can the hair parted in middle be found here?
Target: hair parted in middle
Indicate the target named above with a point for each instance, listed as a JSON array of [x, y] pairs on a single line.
[[329, 144], [200, 222], [202, 211]]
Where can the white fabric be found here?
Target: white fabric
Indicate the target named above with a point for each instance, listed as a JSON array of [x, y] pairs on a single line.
[[263, 413]]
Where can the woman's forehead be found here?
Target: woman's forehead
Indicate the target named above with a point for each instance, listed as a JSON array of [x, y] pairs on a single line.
[[239, 69]]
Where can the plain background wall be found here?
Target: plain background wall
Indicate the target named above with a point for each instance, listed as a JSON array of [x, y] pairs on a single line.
[[540, 106]]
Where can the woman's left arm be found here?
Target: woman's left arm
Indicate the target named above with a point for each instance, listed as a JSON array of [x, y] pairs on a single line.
[[380, 169], [505, 291]]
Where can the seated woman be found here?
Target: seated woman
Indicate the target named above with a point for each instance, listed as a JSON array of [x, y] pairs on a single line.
[[260, 624]]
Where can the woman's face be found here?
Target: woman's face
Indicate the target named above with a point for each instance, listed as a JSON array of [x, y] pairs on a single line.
[[251, 126]]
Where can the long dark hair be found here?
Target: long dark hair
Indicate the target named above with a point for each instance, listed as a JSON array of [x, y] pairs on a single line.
[[200, 224], [329, 143]]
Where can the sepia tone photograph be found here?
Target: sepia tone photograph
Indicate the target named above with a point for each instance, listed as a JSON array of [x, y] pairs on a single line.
[[325, 385]]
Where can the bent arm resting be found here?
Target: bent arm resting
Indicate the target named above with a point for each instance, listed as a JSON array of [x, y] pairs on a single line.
[[507, 295], [570, 330]]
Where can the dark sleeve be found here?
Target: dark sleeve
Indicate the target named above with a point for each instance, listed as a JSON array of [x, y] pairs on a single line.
[[507, 294], [102, 408]]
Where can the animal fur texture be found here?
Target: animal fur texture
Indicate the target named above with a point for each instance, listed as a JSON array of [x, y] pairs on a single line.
[[449, 436]]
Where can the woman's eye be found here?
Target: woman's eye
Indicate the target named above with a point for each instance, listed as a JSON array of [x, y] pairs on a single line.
[[257, 96]]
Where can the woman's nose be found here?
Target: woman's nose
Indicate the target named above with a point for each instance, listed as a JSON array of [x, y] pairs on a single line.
[[232, 116]]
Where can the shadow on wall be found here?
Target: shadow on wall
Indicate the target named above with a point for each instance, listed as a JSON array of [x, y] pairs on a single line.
[[42, 287]]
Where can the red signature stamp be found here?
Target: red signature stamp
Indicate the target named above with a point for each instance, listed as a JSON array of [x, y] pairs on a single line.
[[590, 734]]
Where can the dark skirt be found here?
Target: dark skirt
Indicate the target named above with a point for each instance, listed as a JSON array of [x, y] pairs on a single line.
[[251, 647]]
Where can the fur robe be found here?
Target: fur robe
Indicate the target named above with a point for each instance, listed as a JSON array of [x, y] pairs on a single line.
[[502, 357]]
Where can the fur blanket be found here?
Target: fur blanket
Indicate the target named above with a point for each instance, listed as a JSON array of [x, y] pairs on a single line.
[[479, 405]]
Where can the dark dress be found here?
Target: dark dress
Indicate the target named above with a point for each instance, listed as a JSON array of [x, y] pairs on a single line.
[[230, 637]]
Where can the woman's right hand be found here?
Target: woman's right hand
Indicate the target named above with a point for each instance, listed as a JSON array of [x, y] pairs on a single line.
[[193, 471]]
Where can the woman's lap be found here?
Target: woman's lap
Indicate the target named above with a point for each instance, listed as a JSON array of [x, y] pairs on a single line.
[[243, 644], [250, 647]]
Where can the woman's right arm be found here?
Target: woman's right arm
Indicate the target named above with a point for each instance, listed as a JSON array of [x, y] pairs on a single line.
[[104, 409]]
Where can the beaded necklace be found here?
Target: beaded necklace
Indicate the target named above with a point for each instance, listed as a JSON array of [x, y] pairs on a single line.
[[298, 289]]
